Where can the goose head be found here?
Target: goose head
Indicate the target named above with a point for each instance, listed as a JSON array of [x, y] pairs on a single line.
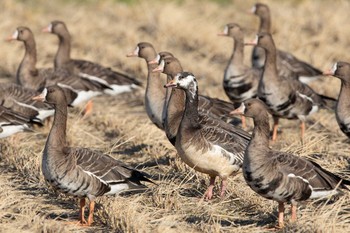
[[183, 80], [340, 70], [260, 10], [232, 30], [52, 95], [57, 27], [21, 34], [251, 108], [144, 50]]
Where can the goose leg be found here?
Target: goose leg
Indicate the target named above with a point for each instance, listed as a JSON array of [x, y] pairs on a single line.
[[275, 127], [209, 193], [280, 215], [302, 129], [223, 187], [294, 213], [88, 108], [81, 211], [91, 213]]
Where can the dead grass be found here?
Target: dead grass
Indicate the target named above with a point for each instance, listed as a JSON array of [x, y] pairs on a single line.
[[106, 31]]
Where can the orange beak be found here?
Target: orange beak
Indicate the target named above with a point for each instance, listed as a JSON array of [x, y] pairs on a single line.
[[222, 34], [251, 43], [47, 29], [172, 83], [41, 97], [238, 111], [328, 72], [14, 36]]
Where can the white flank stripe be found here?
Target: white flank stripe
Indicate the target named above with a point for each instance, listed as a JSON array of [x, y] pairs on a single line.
[[322, 194], [117, 188], [12, 129], [334, 67]]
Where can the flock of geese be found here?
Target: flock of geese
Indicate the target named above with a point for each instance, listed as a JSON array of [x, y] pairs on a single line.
[[195, 125]]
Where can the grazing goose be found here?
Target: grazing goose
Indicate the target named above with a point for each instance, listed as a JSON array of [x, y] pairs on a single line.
[[156, 95], [207, 144], [12, 122], [81, 172], [215, 108], [77, 89], [286, 62], [285, 97], [118, 82], [18, 99], [341, 70], [240, 81], [282, 176]]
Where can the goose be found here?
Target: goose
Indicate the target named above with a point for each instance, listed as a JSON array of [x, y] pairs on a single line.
[[155, 96], [282, 176], [12, 122], [341, 70], [207, 144], [77, 89], [286, 62], [240, 81], [18, 99], [81, 172], [117, 82], [215, 108], [286, 97]]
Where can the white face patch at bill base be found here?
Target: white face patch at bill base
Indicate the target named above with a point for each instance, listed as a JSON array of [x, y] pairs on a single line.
[[256, 39], [44, 93], [15, 35], [242, 108], [136, 51], [226, 30], [161, 65], [334, 68], [253, 9], [49, 28]]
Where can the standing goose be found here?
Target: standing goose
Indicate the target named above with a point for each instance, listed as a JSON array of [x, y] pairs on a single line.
[[156, 95], [341, 70], [215, 108], [12, 122], [18, 99], [206, 144], [240, 82], [285, 97], [77, 89], [282, 176], [118, 82], [81, 172], [286, 62]]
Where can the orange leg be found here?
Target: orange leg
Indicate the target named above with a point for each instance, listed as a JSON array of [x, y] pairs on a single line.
[[275, 127], [91, 213], [302, 128], [280, 215], [244, 124], [81, 211], [209, 193], [88, 108], [294, 213], [223, 187]]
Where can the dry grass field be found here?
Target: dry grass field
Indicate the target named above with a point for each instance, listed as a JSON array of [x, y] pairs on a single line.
[[105, 31]]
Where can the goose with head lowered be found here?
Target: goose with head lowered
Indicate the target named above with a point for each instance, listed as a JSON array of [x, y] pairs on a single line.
[[116, 81], [285, 97], [155, 95], [287, 63], [282, 176], [81, 172], [12, 122], [341, 70], [208, 145]]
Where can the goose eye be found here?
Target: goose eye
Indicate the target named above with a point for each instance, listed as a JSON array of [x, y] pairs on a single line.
[[167, 63]]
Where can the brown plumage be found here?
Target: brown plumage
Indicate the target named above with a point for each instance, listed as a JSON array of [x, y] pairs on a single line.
[[81, 172], [286, 62], [207, 144], [117, 81], [282, 176], [341, 70], [286, 97]]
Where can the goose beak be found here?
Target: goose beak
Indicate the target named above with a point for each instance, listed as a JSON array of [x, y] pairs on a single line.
[[254, 43], [238, 111], [172, 83], [135, 53], [41, 97], [14, 36], [154, 61], [328, 72], [222, 34], [47, 29]]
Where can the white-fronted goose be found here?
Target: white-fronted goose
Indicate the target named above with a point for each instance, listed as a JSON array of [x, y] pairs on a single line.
[[118, 82], [12, 122], [286, 62], [282, 176], [77, 89], [18, 99], [81, 172], [213, 107], [207, 144], [155, 95], [240, 82], [341, 70], [286, 97]]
